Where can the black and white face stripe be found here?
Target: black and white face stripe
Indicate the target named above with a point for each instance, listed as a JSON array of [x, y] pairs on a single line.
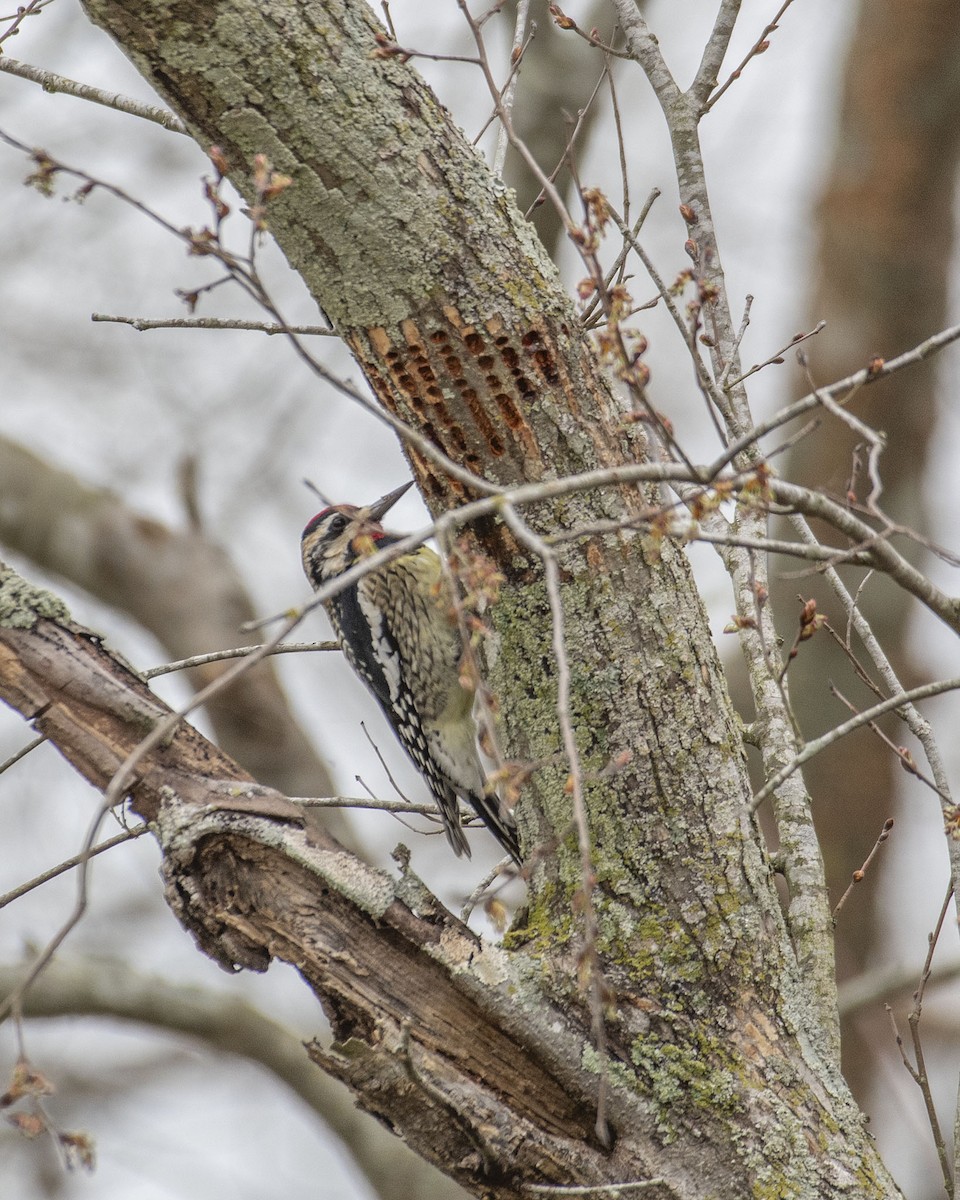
[[339, 519], [327, 543], [328, 526]]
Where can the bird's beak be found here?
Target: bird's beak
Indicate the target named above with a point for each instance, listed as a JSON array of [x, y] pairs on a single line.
[[381, 507]]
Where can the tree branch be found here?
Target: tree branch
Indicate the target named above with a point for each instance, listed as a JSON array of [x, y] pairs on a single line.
[[875, 543], [227, 1024], [51, 82]]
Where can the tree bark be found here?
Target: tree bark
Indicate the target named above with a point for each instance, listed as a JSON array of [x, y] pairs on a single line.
[[720, 1068]]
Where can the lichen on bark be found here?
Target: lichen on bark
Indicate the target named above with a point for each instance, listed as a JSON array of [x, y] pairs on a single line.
[[22, 604]]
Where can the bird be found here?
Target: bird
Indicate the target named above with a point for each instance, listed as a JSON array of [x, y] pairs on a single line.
[[398, 631]]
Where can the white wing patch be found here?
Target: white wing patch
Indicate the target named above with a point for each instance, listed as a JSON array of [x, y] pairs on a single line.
[[384, 649]]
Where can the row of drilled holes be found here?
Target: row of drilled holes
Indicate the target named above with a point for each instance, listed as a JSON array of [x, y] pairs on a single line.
[[474, 342]]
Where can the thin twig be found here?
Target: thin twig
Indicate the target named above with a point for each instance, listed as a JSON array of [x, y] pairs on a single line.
[[876, 371], [737, 342], [775, 359], [817, 554], [919, 726], [691, 532], [201, 660], [904, 757], [807, 625], [589, 955], [859, 875], [51, 82], [475, 896], [600, 1190], [141, 324], [383, 763], [569, 25], [704, 381], [22, 752], [885, 557], [920, 1072], [876, 441], [618, 270], [31, 9], [484, 711], [758, 47], [834, 735], [621, 147], [68, 864], [846, 647], [571, 142], [518, 144], [368, 803]]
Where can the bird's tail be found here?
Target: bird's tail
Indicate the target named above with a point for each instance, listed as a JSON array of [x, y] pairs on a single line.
[[498, 820]]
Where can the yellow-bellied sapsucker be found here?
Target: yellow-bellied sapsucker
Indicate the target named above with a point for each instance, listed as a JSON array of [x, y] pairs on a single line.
[[397, 630]]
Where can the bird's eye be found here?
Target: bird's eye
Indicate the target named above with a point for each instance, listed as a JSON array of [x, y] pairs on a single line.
[[338, 524]]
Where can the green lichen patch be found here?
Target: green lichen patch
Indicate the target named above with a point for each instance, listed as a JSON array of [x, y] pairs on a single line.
[[22, 604], [686, 1078]]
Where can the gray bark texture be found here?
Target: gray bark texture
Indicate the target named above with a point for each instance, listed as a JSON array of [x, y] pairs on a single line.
[[718, 1061]]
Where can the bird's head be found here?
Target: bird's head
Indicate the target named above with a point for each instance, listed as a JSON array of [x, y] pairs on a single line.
[[335, 538]]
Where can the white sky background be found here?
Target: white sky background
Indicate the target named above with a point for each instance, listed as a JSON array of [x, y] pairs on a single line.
[[123, 408]]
